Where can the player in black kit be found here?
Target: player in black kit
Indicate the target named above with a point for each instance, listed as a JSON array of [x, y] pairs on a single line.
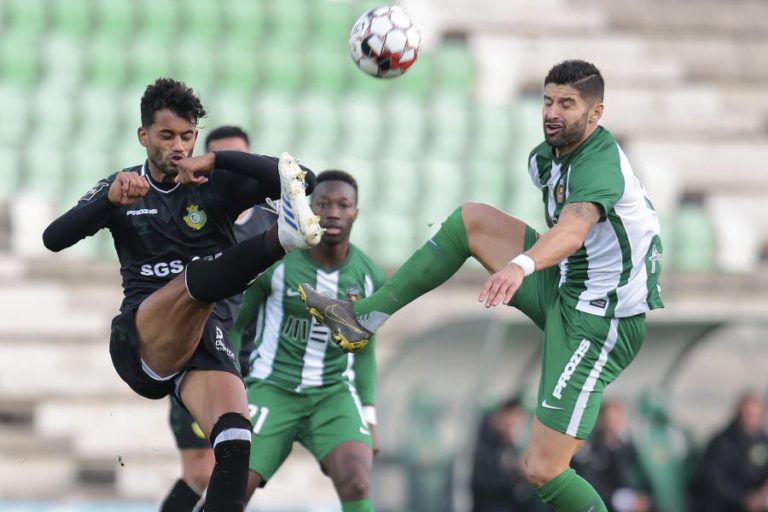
[[196, 455], [171, 221]]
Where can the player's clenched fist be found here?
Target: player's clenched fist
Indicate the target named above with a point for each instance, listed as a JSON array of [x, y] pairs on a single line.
[[193, 170], [127, 188]]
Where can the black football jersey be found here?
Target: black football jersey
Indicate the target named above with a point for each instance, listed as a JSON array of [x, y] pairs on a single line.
[[157, 236]]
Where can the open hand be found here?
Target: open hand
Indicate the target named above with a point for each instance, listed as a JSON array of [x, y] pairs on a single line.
[[501, 286]]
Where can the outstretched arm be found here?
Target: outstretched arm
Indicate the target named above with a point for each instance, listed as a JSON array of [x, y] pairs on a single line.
[[565, 238], [92, 212]]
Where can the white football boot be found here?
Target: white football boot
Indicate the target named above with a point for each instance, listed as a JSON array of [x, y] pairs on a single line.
[[297, 226]]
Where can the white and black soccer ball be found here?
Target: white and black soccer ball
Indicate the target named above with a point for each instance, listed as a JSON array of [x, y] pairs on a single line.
[[384, 42]]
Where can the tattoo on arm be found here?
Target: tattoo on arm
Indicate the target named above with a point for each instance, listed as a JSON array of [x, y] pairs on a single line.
[[588, 212]]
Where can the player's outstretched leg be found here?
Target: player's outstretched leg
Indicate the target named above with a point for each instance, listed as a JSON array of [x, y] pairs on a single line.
[[297, 225], [478, 230]]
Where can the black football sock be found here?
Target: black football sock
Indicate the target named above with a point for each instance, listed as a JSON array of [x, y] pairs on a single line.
[[231, 440], [232, 272], [182, 498]]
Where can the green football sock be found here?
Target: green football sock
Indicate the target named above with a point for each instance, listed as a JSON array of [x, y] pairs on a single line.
[[568, 492], [357, 506], [427, 268]]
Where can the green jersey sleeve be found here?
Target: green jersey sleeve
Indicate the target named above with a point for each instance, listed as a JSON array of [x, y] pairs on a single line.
[[253, 297], [596, 178]]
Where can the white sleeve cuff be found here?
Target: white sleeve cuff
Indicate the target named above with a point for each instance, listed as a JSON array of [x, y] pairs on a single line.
[[369, 414]]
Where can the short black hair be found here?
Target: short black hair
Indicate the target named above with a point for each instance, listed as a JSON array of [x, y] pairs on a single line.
[[581, 75], [226, 132], [337, 175], [173, 95]]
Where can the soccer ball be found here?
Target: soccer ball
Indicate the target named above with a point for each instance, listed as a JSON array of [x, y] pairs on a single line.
[[384, 42]]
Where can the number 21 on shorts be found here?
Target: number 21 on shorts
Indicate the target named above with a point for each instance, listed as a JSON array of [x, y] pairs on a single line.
[[258, 416]]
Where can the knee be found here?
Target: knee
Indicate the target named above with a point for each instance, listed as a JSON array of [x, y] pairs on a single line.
[[539, 469], [355, 486], [233, 431], [198, 476]]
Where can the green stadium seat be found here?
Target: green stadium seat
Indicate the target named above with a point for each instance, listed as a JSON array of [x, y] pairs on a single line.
[[10, 158], [288, 23], [399, 189], [97, 119], [492, 131], [318, 124], [328, 68], [19, 58], [694, 239], [44, 172], [245, 21], [362, 131], [85, 166], [14, 104], [72, 17], [62, 61], [149, 59], [444, 188], [331, 22], [193, 62], [230, 109], [105, 61], [240, 68], [159, 19], [202, 20], [117, 19], [417, 81], [455, 68], [405, 124], [27, 16], [449, 126], [394, 240], [488, 182], [276, 117], [284, 68], [53, 118]]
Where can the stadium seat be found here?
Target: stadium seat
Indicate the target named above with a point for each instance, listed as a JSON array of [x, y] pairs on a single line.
[[317, 124], [492, 131], [149, 59], [14, 104], [328, 67], [62, 61], [488, 182], [244, 21], [158, 19], [394, 240], [288, 23], [449, 126], [444, 188], [399, 189], [405, 124], [362, 131], [331, 22], [10, 161], [27, 16], [72, 17], [455, 68], [694, 239], [276, 119], [53, 118], [193, 62], [202, 20], [284, 67], [105, 61], [44, 172], [117, 19], [19, 58], [239, 68], [230, 109]]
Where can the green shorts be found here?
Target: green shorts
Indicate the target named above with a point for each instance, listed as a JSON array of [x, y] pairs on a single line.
[[582, 353], [320, 419]]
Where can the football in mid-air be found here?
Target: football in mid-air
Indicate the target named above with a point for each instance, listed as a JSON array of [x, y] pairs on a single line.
[[384, 42]]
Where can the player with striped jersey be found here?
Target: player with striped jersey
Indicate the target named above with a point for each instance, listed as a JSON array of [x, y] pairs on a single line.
[[587, 282], [301, 387]]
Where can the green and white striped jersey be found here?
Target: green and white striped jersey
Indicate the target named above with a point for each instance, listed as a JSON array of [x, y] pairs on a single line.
[[292, 350], [616, 272]]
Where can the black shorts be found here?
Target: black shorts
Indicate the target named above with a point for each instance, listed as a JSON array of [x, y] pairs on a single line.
[[213, 353], [185, 430]]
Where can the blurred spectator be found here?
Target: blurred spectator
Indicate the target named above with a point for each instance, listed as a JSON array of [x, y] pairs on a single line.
[[665, 452], [608, 460], [734, 468], [498, 482]]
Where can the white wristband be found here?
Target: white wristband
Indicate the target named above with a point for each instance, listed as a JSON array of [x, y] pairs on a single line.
[[525, 262], [369, 414]]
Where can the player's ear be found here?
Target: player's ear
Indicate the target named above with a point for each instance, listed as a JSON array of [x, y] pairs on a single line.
[[143, 136], [596, 112]]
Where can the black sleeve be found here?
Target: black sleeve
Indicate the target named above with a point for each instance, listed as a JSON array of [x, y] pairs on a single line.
[[88, 216], [261, 181], [260, 167]]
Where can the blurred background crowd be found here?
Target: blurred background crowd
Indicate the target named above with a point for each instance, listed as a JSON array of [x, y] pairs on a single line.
[[686, 94]]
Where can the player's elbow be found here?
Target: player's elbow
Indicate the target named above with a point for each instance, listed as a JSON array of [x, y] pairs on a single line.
[[51, 241]]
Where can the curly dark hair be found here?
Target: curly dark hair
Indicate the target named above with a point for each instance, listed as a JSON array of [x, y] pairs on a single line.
[[337, 175], [581, 75], [173, 95]]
